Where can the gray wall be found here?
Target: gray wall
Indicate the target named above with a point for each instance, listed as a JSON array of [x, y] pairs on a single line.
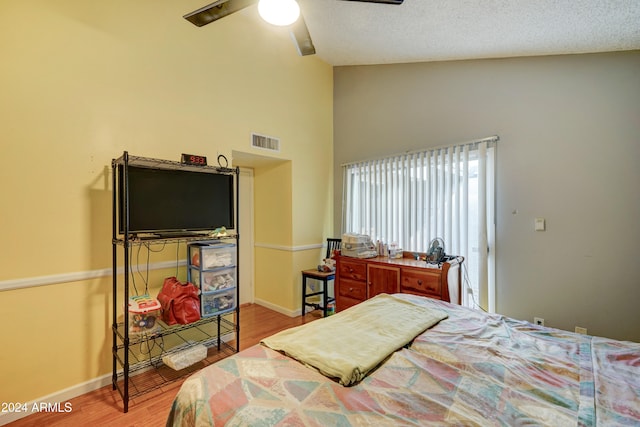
[[569, 152]]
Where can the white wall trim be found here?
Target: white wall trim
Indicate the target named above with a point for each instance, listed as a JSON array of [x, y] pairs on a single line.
[[289, 248], [78, 276], [61, 397], [65, 395], [279, 309], [30, 282]]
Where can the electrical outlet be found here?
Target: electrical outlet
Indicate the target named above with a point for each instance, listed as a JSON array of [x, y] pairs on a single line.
[[538, 321], [581, 330]]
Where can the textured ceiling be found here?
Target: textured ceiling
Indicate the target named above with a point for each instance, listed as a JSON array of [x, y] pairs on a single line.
[[354, 33]]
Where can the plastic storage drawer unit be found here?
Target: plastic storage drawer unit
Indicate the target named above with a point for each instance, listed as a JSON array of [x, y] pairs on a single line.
[[212, 268], [207, 256], [214, 280], [215, 303]]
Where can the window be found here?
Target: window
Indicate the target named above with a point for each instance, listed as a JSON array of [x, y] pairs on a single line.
[[412, 198]]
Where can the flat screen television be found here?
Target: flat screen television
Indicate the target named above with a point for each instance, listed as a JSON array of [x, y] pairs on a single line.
[[166, 201]]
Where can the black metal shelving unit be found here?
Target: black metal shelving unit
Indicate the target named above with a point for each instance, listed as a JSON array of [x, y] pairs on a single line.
[[137, 358]]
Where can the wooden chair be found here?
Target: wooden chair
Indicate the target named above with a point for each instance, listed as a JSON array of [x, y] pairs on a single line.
[[322, 276]]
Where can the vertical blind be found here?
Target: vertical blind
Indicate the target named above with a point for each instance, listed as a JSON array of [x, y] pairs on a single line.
[[412, 198]]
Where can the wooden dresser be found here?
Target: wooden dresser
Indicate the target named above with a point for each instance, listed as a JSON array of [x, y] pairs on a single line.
[[359, 279]]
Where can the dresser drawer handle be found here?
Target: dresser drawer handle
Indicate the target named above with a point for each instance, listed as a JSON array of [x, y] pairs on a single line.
[[420, 282], [350, 289]]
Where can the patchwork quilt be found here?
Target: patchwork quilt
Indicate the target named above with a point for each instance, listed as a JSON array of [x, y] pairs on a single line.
[[471, 369]]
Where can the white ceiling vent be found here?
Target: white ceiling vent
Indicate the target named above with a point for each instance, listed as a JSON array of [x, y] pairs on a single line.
[[265, 142]]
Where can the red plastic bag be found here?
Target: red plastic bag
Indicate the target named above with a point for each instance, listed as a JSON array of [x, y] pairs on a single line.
[[180, 302]]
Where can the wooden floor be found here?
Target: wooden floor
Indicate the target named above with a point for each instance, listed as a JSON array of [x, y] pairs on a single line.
[[103, 407]]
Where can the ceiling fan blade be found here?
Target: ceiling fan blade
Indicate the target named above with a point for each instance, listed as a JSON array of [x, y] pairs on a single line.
[[302, 38], [221, 8], [379, 1], [216, 10]]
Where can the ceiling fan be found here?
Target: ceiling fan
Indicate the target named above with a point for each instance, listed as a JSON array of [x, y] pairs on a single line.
[[221, 8]]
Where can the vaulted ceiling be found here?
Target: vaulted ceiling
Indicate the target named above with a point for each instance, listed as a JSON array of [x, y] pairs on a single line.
[[352, 32]]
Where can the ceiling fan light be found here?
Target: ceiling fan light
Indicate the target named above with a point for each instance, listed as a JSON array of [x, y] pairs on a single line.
[[279, 12]]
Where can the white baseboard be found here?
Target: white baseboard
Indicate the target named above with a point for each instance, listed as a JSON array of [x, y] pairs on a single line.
[[62, 397], [286, 312]]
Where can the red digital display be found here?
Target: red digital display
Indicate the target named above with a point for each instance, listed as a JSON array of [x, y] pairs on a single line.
[[192, 159]]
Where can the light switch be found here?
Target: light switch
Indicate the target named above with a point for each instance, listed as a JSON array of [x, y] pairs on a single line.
[[539, 224]]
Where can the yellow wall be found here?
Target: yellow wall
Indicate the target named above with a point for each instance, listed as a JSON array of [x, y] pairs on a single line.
[[83, 81], [273, 233]]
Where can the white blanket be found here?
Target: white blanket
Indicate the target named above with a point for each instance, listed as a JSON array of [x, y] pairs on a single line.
[[349, 344]]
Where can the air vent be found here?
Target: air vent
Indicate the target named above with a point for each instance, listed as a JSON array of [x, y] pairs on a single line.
[[265, 142]]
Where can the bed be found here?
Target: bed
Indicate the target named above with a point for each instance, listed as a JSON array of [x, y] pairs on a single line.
[[467, 368]]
